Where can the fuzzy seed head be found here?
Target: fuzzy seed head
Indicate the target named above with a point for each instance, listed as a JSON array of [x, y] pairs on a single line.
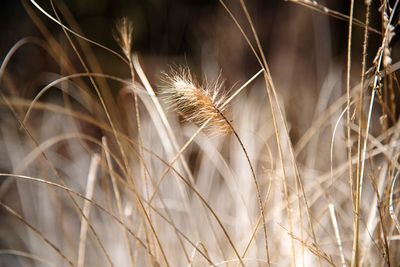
[[123, 35], [194, 102]]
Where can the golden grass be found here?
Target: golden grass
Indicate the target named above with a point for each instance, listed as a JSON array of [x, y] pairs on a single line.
[[105, 170]]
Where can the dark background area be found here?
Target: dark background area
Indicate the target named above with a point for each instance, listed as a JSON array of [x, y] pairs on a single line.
[[166, 28], [301, 45], [162, 27]]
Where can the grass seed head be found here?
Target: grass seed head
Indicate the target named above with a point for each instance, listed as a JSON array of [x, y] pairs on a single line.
[[123, 35], [194, 102]]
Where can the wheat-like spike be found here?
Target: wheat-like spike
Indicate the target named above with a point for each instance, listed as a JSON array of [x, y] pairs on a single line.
[[196, 103], [123, 35]]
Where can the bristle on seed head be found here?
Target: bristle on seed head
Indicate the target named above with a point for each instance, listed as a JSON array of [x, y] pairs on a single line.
[[123, 35], [194, 102]]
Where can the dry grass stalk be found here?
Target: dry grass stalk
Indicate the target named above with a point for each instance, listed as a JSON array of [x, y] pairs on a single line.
[[86, 209], [335, 224], [204, 104]]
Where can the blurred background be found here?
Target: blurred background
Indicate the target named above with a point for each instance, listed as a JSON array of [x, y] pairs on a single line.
[[301, 45]]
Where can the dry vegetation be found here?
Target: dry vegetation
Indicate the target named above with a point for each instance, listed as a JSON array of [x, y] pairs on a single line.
[[103, 169]]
